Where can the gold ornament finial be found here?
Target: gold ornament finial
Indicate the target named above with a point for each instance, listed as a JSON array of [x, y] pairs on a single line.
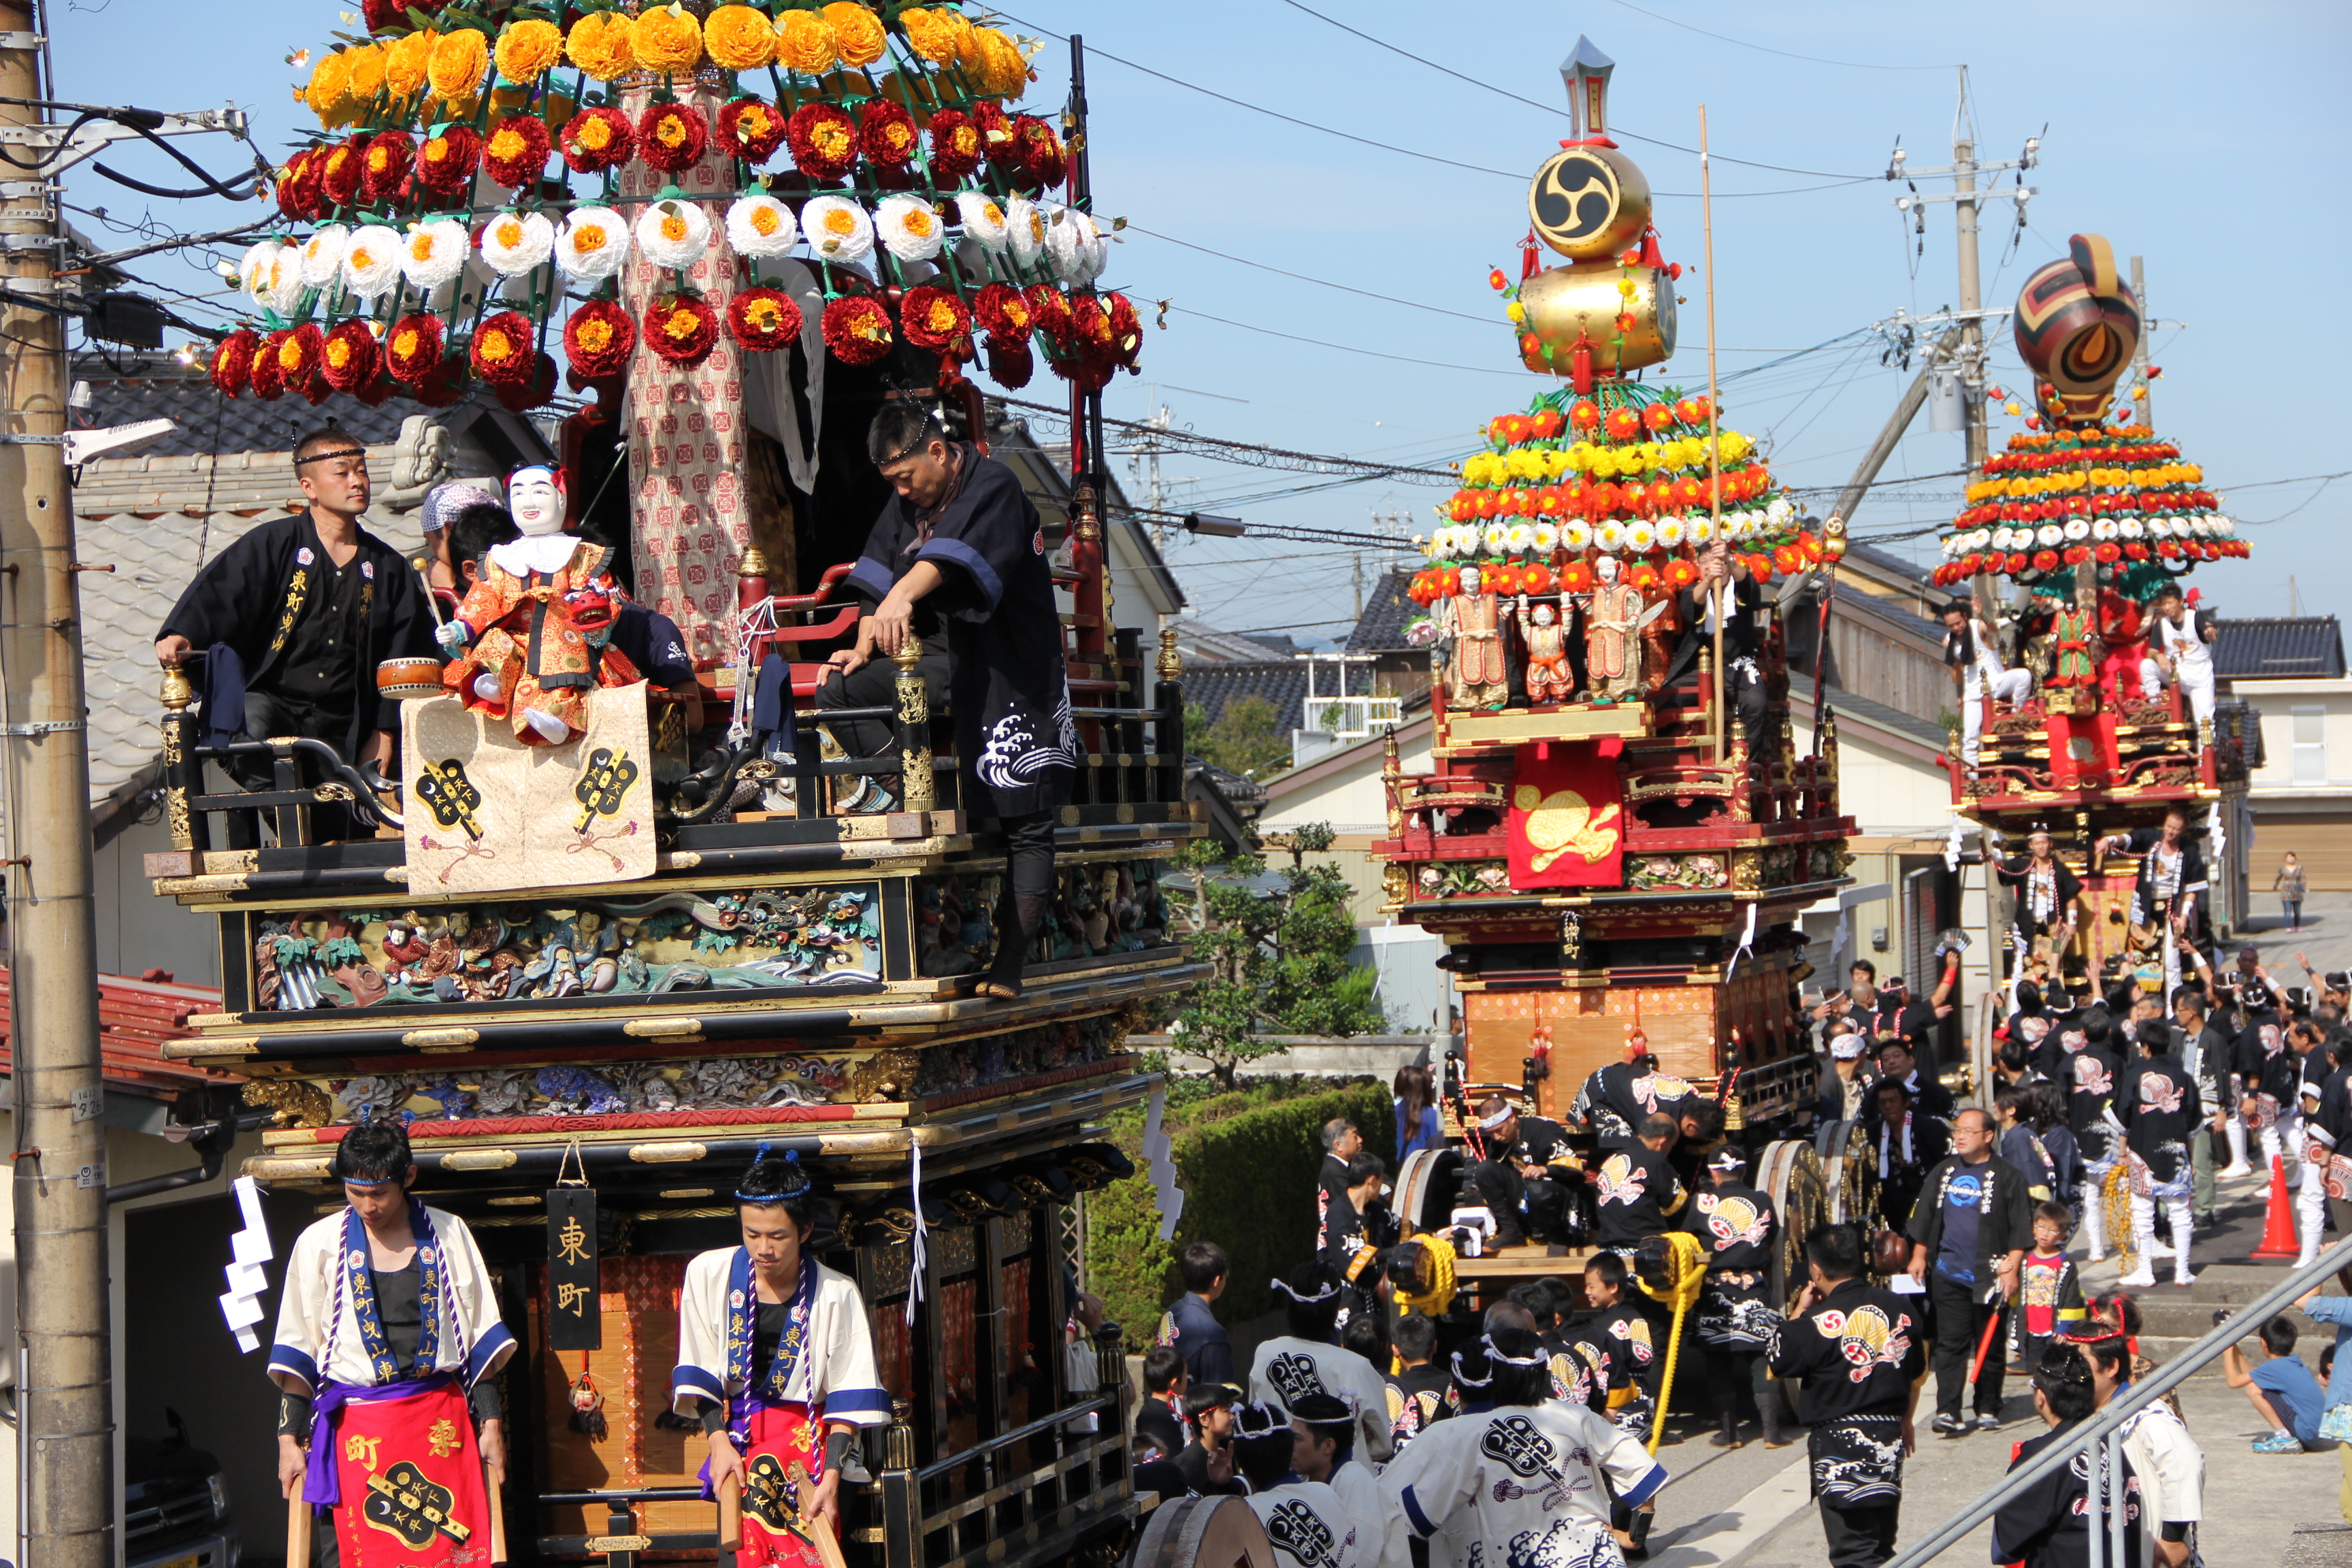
[[178, 691], [1172, 663], [753, 564]]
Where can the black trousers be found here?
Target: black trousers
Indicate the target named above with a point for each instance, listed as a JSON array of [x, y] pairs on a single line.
[[1959, 1320], [1731, 1371], [1860, 1536], [269, 715], [874, 684], [1503, 1188], [1028, 888]]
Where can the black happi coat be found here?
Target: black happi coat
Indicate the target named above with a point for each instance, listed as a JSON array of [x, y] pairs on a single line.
[[252, 593], [1736, 1227], [2039, 922], [1616, 1097], [2159, 1106], [1635, 1190], [1014, 738], [2144, 842], [2090, 1080], [1859, 1350], [2049, 1524], [2265, 1063], [2004, 1214]]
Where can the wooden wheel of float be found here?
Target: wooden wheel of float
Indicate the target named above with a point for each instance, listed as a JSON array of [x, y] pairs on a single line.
[[1849, 1171], [1423, 1176], [1790, 1175], [1202, 1532]]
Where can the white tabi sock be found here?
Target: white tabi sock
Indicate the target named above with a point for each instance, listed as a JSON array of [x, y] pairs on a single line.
[[486, 686], [554, 729]]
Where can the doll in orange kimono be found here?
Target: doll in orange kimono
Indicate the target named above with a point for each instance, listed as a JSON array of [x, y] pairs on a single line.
[[531, 638]]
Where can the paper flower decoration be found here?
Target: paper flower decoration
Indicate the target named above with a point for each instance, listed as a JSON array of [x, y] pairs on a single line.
[[1518, 539], [681, 329], [1001, 309], [599, 45], [982, 220], [1495, 538], [1025, 224], [908, 226], [762, 321], [371, 261], [1670, 528], [390, 155], [665, 38], [268, 375], [886, 132], [526, 50], [258, 274], [1547, 537], [1575, 535], [1610, 536], [1641, 537], [591, 245], [599, 339], [1038, 151], [445, 165], [761, 225], [516, 152], [671, 136], [322, 255], [837, 229], [940, 34], [411, 350], [515, 243], [503, 352], [1050, 308], [804, 44], [460, 60], [933, 317], [339, 175], [298, 185], [1699, 530], [232, 370], [1078, 248], [351, 357], [673, 233], [823, 139], [857, 330], [595, 139], [433, 252], [752, 129], [955, 142], [995, 63], [739, 38], [858, 35], [406, 62]]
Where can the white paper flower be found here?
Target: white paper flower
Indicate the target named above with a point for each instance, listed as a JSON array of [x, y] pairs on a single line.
[[1498, 537], [673, 233], [2103, 529], [1736, 525], [761, 225], [982, 220], [433, 253], [1547, 537], [837, 230], [1641, 537], [2049, 536], [517, 243], [2161, 527], [2224, 526], [591, 245], [259, 273], [1976, 539], [909, 227], [1951, 547], [1576, 534], [1519, 539], [1699, 530], [371, 261], [322, 255], [1781, 511], [2202, 527], [2078, 529], [1670, 533], [1610, 536], [1025, 224], [1078, 248]]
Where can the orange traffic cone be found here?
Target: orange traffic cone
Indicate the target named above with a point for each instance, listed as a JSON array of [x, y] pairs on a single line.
[[2278, 1225]]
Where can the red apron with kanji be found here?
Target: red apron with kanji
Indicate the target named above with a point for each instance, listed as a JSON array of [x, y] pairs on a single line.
[[779, 1435], [413, 1494]]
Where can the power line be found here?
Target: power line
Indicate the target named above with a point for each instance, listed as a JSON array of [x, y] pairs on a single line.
[[1248, 452], [1349, 348], [1813, 60], [1307, 278]]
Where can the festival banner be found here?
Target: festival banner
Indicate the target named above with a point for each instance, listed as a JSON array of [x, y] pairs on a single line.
[[573, 1320], [484, 812], [1567, 820]]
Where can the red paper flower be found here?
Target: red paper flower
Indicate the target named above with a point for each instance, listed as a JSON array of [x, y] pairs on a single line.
[[389, 158], [1049, 307], [1536, 579], [857, 330], [824, 140], [2075, 555], [1010, 363], [515, 154], [537, 387], [934, 318], [2045, 561], [443, 382], [1576, 577], [352, 357], [379, 388], [1038, 152], [1681, 574], [232, 370], [599, 339], [595, 139], [268, 375], [298, 352], [996, 130], [672, 136], [445, 165], [762, 321], [1001, 309], [956, 146], [502, 349], [1641, 575], [316, 390], [298, 187], [752, 129], [340, 170], [411, 350], [681, 328], [1760, 566], [886, 135]]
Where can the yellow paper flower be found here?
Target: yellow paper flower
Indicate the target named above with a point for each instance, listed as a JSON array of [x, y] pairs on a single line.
[[407, 61], [527, 48], [667, 39], [367, 74], [459, 61], [857, 32], [804, 44], [329, 94], [939, 36], [599, 44], [739, 38], [995, 64]]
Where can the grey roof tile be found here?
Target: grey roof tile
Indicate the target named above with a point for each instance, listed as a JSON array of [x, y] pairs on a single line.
[[2280, 647]]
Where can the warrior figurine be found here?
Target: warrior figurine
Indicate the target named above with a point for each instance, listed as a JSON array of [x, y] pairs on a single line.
[[2071, 631], [531, 640], [1613, 660], [1549, 679], [1475, 678]]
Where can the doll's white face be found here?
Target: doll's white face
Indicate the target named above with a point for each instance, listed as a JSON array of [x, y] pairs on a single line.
[[1607, 569], [1470, 581], [1543, 615], [536, 503]]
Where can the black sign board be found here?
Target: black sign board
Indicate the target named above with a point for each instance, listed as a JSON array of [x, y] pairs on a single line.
[[573, 1322]]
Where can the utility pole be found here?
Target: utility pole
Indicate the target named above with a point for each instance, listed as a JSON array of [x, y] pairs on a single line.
[[2139, 356], [64, 1399]]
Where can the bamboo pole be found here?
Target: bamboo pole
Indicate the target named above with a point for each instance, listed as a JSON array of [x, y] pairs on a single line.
[[1714, 431]]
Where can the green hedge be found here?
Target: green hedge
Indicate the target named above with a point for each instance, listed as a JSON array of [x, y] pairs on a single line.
[[1248, 1163]]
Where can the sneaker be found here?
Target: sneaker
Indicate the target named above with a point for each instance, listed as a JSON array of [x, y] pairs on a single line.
[[1949, 1426], [2231, 1173], [1988, 1422], [2278, 1443]]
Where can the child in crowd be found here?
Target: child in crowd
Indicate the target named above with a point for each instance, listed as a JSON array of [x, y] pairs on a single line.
[[2281, 1389], [2049, 1292]]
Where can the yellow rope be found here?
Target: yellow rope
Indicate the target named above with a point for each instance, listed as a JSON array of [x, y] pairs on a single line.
[[2115, 1206], [1437, 1271], [1686, 1276]]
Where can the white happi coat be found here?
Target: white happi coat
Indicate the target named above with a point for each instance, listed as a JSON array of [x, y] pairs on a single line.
[[1312, 1528], [836, 1371], [1359, 1488], [1286, 1368], [318, 1339], [1529, 1478]]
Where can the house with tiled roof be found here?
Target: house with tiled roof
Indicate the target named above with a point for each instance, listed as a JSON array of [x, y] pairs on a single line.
[[2291, 669]]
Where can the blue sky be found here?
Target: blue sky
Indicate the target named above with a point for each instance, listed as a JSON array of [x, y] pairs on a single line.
[[2205, 146]]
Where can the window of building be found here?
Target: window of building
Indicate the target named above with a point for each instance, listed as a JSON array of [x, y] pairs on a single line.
[[2308, 744]]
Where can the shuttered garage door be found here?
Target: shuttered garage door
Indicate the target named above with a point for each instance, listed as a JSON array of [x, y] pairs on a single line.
[[2322, 840]]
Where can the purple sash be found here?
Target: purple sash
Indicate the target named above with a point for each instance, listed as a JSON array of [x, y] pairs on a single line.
[[321, 1487]]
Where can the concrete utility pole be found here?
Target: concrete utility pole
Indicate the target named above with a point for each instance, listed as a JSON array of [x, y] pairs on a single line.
[[2139, 358], [1964, 203], [65, 1401]]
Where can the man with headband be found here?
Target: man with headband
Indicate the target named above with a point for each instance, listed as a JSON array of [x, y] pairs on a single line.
[[1528, 1160], [1307, 1522], [294, 617], [1739, 1234], [1304, 1361]]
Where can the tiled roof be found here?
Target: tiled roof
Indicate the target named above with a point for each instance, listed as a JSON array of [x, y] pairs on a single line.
[[2306, 648], [1381, 628], [1281, 682], [135, 1018], [1203, 644]]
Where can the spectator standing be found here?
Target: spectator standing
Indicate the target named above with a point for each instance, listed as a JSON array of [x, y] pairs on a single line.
[[1160, 1416], [1191, 1326], [2050, 1291], [1341, 1144], [1969, 1235], [1417, 1125], [2288, 885]]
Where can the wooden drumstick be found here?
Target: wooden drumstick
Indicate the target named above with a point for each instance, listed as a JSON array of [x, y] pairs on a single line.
[[298, 1531], [497, 1516], [731, 1512], [814, 1525], [423, 564]]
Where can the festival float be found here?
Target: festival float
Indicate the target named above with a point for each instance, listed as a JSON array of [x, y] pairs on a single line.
[[596, 976], [2075, 531], [1620, 830]]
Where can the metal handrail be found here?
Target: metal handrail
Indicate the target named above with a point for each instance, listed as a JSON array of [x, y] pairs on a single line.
[[2109, 1420]]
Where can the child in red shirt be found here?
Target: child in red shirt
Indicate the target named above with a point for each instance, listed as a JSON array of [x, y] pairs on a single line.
[[2049, 1292]]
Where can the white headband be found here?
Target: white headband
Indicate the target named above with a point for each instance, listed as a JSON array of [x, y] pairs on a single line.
[[1465, 1379], [1488, 1124], [1325, 1294], [1496, 1358]]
